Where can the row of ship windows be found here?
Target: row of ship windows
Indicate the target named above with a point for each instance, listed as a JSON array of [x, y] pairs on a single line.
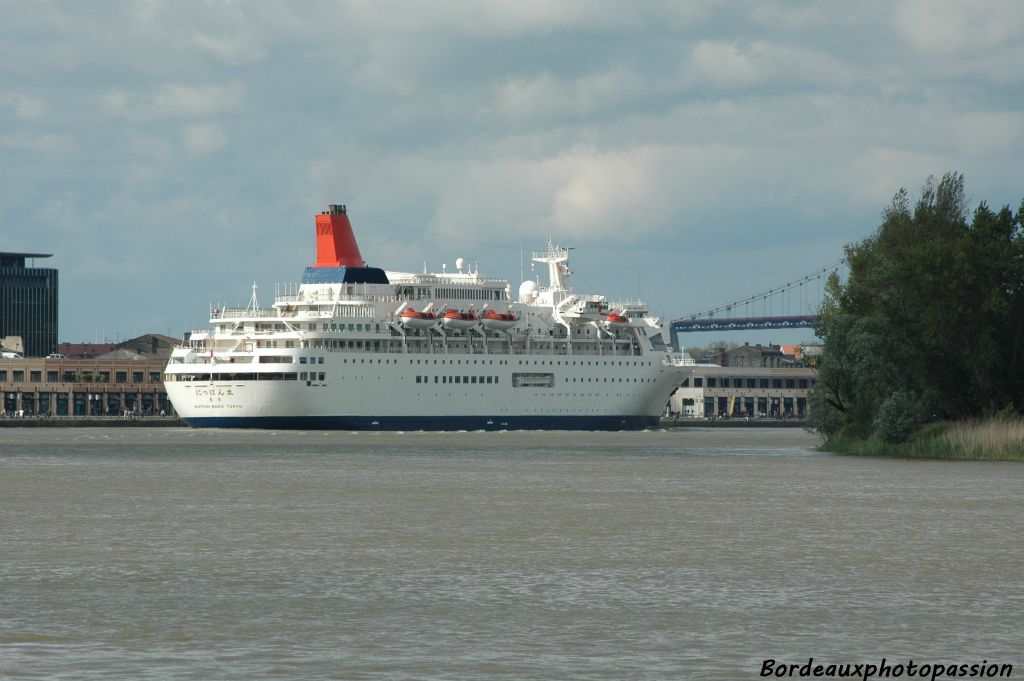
[[473, 379], [320, 376], [459, 379], [286, 359], [224, 376], [319, 343], [334, 326], [465, 294], [763, 383], [604, 379], [542, 362], [421, 292], [343, 327], [279, 326]]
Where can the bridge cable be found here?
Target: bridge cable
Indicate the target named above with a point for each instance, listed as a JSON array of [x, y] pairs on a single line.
[[767, 296]]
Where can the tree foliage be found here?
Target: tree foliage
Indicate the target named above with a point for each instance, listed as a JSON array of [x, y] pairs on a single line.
[[930, 321]]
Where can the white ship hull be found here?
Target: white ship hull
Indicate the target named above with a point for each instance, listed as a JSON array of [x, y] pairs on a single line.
[[380, 390]]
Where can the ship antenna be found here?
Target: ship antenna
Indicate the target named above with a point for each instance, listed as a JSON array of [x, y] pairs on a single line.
[[253, 303]]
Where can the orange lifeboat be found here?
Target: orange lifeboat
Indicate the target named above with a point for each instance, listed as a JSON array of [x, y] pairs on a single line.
[[456, 319], [614, 320], [410, 318], [492, 319]]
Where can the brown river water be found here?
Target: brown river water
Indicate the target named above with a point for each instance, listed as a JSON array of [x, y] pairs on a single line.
[[678, 554]]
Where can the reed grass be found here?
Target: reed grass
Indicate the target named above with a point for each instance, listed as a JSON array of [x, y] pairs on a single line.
[[998, 438], [995, 439]]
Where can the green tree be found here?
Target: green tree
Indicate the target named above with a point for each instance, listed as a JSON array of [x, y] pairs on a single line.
[[932, 314]]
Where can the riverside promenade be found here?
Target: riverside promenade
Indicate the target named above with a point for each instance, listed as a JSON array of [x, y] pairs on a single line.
[[90, 422], [732, 423]]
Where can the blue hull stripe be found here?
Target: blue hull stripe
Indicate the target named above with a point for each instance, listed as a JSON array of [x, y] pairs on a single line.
[[427, 422]]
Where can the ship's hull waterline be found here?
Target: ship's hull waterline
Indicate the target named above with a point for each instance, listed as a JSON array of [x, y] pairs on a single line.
[[426, 423]]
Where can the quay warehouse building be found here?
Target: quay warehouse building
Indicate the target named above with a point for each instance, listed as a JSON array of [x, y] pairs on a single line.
[[749, 381]]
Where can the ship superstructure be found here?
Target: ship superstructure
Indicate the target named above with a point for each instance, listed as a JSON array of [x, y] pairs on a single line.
[[357, 347]]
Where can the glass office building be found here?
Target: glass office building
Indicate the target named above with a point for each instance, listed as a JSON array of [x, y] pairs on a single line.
[[28, 303]]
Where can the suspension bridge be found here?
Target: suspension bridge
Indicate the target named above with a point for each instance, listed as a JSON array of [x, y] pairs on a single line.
[[793, 305]]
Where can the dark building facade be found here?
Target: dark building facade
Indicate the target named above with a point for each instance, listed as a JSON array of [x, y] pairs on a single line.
[[82, 387], [127, 377], [28, 303], [748, 355]]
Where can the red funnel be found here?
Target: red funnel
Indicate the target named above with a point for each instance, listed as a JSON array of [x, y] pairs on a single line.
[[335, 243]]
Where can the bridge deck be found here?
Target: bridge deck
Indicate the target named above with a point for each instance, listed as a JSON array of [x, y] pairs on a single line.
[[744, 323]]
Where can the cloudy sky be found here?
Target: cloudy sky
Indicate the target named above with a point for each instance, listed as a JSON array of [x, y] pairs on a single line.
[[170, 153]]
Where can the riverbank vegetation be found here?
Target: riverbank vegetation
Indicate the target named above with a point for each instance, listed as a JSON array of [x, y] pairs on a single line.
[[924, 341], [985, 439]]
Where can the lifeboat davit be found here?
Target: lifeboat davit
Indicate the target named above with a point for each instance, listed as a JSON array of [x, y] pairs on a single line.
[[491, 319], [456, 319], [614, 320], [410, 318]]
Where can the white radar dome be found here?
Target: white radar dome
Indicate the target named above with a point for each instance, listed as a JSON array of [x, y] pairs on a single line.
[[527, 291], [459, 262]]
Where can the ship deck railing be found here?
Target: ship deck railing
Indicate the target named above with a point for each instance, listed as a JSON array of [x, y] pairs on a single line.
[[635, 304], [448, 279], [439, 349], [339, 298], [436, 349], [243, 312]]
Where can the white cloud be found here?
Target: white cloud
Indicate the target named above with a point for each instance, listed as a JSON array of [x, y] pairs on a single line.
[[877, 173], [25, 107], [45, 143], [233, 50], [991, 133], [724, 64], [795, 17], [174, 101], [494, 17], [956, 26], [546, 96], [585, 192], [729, 65], [201, 139]]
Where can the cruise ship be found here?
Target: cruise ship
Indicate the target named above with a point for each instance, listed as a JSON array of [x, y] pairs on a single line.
[[357, 347]]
